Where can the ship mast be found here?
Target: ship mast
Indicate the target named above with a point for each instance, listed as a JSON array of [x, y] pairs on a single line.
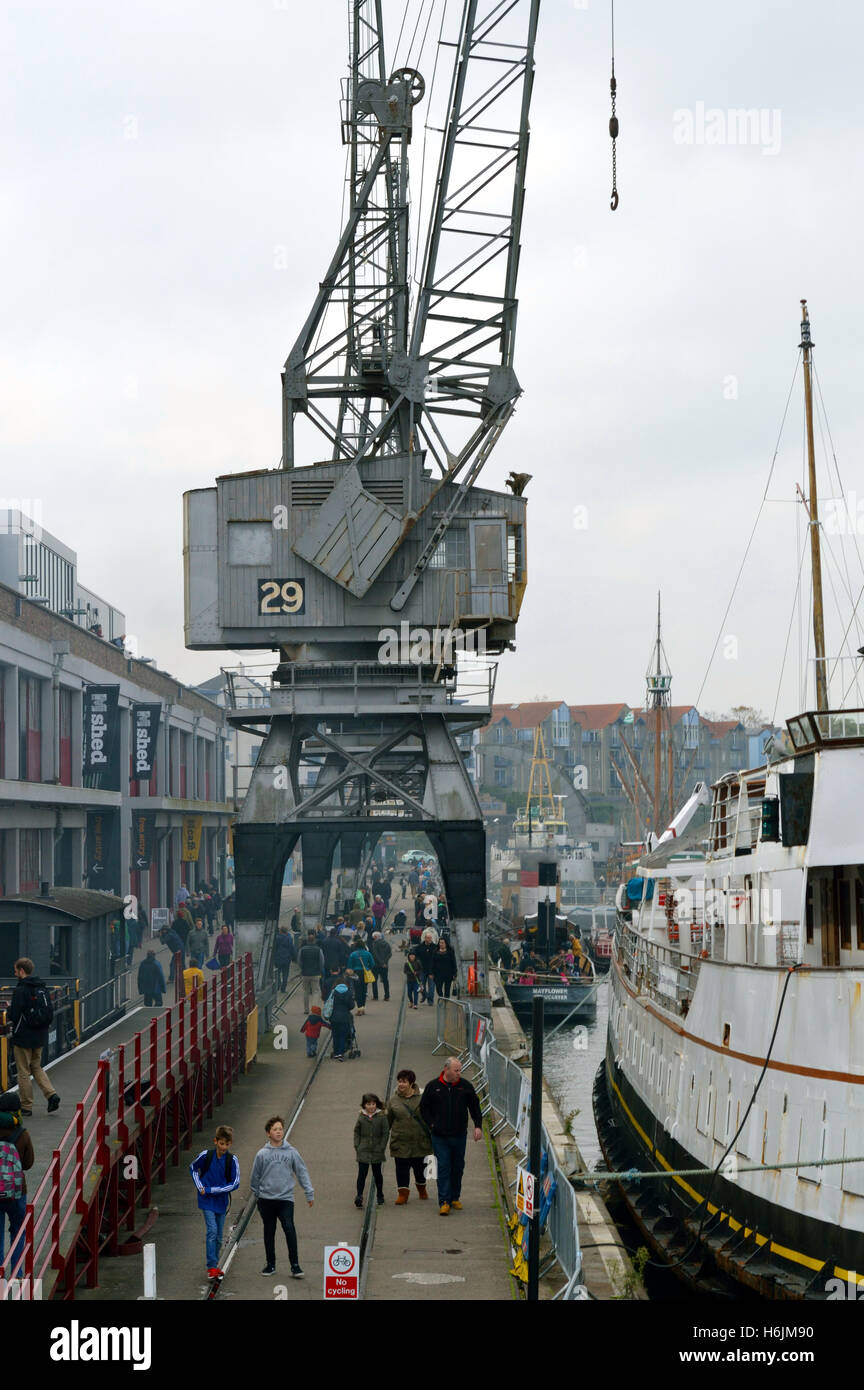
[[659, 684], [815, 552]]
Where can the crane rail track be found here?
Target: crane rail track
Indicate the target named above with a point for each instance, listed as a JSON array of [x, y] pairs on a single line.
[[367, 1236]]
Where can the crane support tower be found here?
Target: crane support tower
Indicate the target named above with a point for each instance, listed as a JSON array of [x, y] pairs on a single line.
[[371, 555]]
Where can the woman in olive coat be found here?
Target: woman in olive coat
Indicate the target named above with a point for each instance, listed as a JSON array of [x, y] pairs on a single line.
[[410, 1140], [370, 1145]]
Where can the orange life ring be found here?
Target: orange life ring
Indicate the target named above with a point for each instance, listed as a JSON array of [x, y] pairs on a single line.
[[472, 980]]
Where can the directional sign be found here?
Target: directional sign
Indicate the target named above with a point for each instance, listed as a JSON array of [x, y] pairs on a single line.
[[341, 1271], [524, 1192]]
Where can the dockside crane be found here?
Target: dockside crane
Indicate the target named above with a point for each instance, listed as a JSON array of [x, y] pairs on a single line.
[[394, 394]]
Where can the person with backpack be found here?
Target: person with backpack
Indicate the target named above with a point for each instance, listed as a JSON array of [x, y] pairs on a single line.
[[31, 1013], [16, 1156], [216, 1174], [337, 1012]]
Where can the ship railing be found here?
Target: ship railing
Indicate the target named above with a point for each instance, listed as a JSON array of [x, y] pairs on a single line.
[[505, 1089], [664, 973]]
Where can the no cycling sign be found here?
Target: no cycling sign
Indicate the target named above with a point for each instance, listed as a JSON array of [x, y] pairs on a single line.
[[341, 1271]]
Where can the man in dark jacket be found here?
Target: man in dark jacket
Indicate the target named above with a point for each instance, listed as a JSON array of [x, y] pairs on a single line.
[[311, 961], [381, 953], [151, 981], [283, 954], [13, 1132], [445, 1105], [169, 938], [31, 1013]]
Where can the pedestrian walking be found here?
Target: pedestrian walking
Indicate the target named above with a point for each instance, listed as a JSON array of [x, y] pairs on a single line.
[[381, 953], [402, 885], [31, 1014], [379, 910], [425, 953], [283, 955], [151, 981], [311, 1028], [224, 947], [445, 1105], [410, 1140], [181, 895], [444, 969], [198, 940], [311, 961], [371, 1133], [216, 1174], [169, 938], [340, 1002], [362, 962], [275, 1172], [228, 910], [413, 972], [16, 1157]]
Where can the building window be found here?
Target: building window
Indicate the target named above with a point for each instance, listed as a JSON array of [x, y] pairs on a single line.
[[589, 736], [30, 729], [515, 555], [2, 729], [30, 860], [451, 552], [560, 732], [65, 712]]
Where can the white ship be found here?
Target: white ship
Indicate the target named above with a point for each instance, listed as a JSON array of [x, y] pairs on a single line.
[[736, 1025]]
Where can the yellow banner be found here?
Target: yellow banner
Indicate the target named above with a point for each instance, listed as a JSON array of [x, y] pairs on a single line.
[[191, 837]]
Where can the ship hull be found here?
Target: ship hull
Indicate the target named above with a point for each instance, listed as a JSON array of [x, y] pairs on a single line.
[[743, 1240]]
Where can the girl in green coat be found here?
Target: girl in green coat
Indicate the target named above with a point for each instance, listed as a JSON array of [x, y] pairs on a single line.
[[371, 1133]]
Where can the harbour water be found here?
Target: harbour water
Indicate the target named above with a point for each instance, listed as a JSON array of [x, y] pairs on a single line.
[[571, 1057]]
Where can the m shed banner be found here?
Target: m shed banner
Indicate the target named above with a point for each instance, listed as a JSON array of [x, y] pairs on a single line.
[[102, 734], [191, 837], [145, 730]]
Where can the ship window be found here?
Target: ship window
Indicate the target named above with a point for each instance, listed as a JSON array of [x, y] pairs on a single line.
[[809, 913], [859, 909], [727, 1029], [845, 913], [642, 1058]]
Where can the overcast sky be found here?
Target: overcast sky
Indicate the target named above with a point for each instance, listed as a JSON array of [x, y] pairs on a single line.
[[155, 157]]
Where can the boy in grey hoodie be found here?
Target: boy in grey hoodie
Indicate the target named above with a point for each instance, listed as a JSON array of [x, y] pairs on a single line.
[[274, 1171]]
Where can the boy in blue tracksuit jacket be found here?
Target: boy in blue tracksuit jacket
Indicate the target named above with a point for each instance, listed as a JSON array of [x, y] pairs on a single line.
[[216, 1173]]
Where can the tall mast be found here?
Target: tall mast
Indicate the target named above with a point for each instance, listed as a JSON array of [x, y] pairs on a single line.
[[659, 683], [815, 552]]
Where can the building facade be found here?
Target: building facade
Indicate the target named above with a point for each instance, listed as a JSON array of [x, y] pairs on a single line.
[[72, 810]]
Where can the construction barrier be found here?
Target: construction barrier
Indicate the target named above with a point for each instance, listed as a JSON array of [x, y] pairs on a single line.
[[505, 1088]]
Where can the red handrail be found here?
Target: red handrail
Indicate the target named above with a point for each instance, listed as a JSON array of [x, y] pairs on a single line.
[[85, 1145]]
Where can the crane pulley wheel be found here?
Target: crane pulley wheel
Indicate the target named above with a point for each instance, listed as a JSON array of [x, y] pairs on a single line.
[[414, 80]]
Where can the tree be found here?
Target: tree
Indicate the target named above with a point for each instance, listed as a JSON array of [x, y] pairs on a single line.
[[748, 715]]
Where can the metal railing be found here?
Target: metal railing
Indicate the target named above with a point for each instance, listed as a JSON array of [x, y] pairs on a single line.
[[506, 1089], [128, 1087]]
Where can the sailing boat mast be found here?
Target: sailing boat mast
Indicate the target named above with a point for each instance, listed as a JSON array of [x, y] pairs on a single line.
[[815, 551]]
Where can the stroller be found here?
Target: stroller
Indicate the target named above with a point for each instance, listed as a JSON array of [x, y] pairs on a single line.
[[353, 1047]]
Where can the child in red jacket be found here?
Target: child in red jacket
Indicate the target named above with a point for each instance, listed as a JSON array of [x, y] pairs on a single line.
[[312, 1025]]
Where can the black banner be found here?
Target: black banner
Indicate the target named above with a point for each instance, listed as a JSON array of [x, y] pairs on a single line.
[[145, 730], [143, 838], [103, 850], [102, 734]]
